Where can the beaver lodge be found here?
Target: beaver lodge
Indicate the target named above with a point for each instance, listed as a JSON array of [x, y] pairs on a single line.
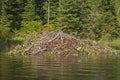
[[58, 42]]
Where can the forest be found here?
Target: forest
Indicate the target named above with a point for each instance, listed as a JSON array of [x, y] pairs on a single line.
[[86, 19]]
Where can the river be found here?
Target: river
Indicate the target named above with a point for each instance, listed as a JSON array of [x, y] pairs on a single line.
[[59, 67]]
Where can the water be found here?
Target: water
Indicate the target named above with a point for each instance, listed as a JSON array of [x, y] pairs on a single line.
[[60, 68]]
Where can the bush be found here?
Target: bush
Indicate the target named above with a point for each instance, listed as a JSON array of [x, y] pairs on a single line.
[[29, 27], [49, 27], [106, 37], [4, 33], [115, 44]]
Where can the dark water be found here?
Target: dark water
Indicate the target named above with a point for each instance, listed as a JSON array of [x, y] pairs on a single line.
[[60, 68]]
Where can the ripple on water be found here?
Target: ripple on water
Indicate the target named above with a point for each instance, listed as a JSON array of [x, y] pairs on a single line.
[[60, 68]]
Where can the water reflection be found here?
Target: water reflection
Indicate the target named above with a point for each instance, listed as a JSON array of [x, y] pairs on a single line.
[[59, 68]]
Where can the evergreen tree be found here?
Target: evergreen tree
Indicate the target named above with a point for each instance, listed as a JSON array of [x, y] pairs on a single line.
[[54, 12], [29, 11], [77, 17], [40, 11], [14, 9], [84, 18], [117, 11], [30, 19], [109, 18], [4, 23], [96, 19]]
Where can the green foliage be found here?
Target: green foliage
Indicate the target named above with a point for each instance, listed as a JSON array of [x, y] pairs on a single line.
[[4, 33], [14, 9], [31, 22], [92, 19], [49, 27], [29, 11], [84, 18], [30, 27], [115, 43], [106, 37], [4, 23], [40, 10]]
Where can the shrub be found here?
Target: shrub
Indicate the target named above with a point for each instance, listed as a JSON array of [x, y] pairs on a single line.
[[4, 31], [29, 27]]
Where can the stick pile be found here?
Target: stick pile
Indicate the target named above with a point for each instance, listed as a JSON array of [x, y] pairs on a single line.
[[59, 42], [56, 42]]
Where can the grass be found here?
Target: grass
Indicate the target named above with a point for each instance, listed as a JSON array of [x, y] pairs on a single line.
[[115, 43], [10, 43]]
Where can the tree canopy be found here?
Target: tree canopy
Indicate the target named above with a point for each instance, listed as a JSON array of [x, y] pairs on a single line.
[[91, 19]]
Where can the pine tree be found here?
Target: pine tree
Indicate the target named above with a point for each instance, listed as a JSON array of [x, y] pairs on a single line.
[[77, 17], [117, 11], [40, 11], [14, 9], [109, 21], [4, 23], [29, 11], [54, 12], [96, 19], [30, 19]]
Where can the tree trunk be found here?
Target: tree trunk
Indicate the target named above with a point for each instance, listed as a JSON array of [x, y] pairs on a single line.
[[48, 12]]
